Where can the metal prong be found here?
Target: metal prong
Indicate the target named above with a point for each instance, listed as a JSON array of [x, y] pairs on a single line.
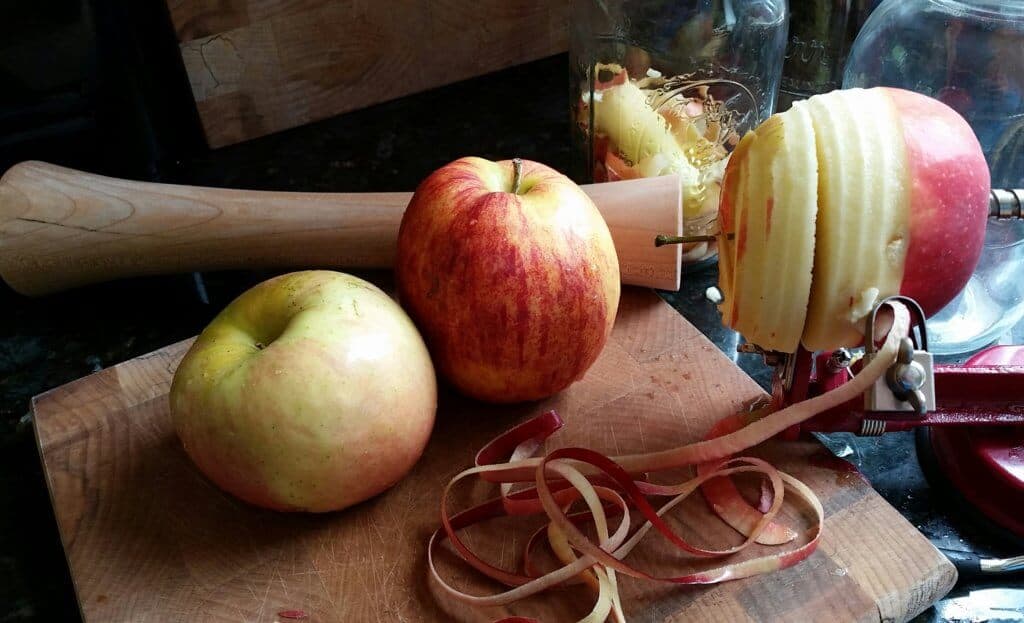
[[771, 358], [662, 239]]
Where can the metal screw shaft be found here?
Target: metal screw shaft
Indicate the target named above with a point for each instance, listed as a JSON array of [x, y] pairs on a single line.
[[1006, 203]]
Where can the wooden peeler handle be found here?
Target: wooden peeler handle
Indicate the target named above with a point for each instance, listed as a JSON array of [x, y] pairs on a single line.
[[61, 228]]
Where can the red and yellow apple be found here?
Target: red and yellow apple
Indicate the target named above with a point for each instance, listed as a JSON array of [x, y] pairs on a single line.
[[311, 391], [845, 199], [512, 278]]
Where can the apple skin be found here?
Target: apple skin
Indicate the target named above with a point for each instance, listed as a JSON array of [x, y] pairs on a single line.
[[949, 189], [515, 294], [311, 391]]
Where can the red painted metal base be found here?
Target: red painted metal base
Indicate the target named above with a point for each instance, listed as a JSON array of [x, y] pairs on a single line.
[[976, 431], [986, 464], [987, 391]]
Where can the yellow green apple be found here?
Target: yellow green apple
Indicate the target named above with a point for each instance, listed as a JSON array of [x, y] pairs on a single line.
[[311, 391]]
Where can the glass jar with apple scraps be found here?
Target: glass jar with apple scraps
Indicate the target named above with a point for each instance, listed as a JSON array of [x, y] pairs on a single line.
[[668, 87], [968, 54]]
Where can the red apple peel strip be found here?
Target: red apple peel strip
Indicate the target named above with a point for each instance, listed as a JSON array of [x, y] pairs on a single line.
[[729, 571], [559, 526], [578, 518], [576, 466], [724, 498], [495, 508], [746, 437], [523, 586], [592, 496], [529, 434], [774, 423], [603, 581], [638, 499]]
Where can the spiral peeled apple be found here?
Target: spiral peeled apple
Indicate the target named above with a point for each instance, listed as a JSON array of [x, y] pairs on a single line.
[[843, 200], [769, 203]]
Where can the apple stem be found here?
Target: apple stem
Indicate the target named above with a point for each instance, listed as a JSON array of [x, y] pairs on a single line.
[[517, 174]]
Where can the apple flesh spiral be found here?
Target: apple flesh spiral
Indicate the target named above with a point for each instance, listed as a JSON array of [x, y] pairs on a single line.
[[845, 199]]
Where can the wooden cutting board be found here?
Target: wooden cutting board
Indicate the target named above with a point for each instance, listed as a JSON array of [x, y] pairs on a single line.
[[149, 539], [259, 66]]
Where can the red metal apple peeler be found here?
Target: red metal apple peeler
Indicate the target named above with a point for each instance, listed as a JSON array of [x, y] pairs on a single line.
[[973, 412]]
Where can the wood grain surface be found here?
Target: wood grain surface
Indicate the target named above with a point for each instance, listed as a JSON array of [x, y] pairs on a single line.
[[259, 66], [148, 538], [61, 228]]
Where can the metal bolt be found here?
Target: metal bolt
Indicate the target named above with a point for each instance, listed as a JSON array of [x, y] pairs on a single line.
[[910, 377], [906, 377]]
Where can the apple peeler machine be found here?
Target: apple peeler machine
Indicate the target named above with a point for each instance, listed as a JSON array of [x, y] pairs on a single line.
[[969, 416]]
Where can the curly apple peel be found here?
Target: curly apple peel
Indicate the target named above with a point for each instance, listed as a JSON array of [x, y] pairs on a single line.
[[609, 486], [725, 500]]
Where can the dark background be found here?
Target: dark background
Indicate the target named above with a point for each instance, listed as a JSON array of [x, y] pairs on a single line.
[[82, 89]]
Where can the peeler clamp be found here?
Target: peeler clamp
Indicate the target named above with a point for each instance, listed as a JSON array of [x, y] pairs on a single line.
[[909, 384]]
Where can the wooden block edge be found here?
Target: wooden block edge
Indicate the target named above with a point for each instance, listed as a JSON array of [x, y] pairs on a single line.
[[40, 399]]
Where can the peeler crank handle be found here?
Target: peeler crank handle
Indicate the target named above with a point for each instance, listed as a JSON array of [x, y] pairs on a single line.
[[972, 566]]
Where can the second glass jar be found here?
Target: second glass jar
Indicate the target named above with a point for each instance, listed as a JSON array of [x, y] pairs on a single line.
[[663, 87]]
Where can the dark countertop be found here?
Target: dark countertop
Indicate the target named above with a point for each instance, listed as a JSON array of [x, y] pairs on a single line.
[[521, 112]]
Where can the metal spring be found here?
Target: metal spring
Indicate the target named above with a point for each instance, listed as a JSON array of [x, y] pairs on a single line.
[[872, 428]]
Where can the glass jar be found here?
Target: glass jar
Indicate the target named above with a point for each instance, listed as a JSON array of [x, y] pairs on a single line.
[[664, 87], [820, 35], [970, 55]]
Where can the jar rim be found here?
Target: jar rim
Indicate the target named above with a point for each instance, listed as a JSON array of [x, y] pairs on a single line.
[[995, 9]]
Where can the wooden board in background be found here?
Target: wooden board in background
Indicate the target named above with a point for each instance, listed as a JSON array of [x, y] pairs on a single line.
[[149, 539], [259, 66]]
